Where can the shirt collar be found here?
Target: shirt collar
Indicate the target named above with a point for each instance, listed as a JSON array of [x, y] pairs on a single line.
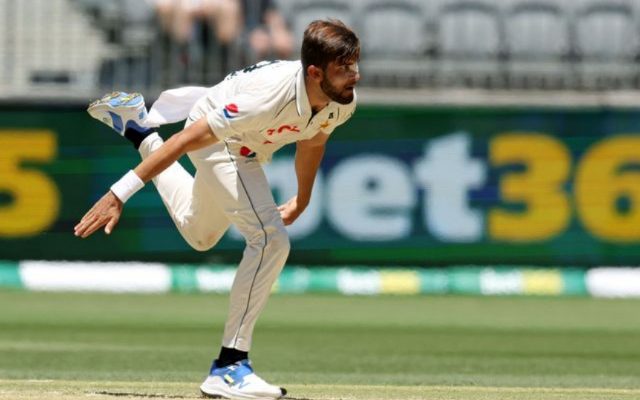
[[302, 100]]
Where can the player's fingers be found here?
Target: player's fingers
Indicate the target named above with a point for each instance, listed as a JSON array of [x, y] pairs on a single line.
[[87, 216], [91, 229], [91, 215], [101, 207], [94, 226], [110, 225], [77, 230], [82, 225]]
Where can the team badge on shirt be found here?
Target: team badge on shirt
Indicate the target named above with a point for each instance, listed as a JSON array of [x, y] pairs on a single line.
[[230, 111]]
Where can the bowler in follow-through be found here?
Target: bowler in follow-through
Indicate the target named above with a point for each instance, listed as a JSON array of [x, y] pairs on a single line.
[[231, 129]]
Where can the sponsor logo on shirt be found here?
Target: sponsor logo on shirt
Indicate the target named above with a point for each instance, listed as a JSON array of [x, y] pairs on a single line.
[[284, 128], [230, 111]]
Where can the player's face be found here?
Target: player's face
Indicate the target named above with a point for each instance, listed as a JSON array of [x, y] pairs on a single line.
[[340, 80]]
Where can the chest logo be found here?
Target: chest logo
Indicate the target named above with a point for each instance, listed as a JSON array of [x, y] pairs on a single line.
[[230, 111], [324, 125]]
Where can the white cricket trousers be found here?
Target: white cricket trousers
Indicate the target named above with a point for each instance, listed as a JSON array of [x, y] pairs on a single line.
[[228, 188]]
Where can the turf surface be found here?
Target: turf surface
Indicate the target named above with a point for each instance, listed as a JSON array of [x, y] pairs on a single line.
[[323, 347]]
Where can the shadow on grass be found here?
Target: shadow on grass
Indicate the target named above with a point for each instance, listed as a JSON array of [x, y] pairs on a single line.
[[167, 396], [141, 395]]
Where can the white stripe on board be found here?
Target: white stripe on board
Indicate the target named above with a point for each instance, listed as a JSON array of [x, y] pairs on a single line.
[[96, 276]]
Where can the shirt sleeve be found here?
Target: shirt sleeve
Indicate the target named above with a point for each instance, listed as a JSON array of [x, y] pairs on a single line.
[[239, 115]]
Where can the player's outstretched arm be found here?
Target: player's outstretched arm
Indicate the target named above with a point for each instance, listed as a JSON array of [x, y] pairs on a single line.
[[106, 212], [309, 154]]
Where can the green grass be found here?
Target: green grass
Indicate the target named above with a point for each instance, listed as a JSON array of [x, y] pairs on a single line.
[[323, 347]]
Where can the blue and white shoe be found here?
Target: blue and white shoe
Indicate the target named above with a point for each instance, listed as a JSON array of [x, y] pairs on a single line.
[[120, 111], [238, 381]]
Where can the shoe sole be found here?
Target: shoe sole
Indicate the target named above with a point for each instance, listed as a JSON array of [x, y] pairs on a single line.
[[100, 107], [230, 396], [105, 103], [113, 95]]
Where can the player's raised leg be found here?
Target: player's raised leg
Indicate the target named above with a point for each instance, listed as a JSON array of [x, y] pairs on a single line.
[[184, 196]]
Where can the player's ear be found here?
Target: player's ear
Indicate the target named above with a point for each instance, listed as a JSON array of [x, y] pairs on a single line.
[[315, 73]]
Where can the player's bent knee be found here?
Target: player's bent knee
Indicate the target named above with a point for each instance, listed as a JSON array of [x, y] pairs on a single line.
[[200, 246], [203, 243]]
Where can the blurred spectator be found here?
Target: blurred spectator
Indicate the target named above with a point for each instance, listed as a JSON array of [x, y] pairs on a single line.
[[266, 31], [201, 34], [178, 18]]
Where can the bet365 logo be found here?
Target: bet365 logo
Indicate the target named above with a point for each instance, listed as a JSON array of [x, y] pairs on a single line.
[[520, 187]]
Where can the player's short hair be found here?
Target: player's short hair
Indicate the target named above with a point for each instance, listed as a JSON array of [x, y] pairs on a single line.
[[329, 40]]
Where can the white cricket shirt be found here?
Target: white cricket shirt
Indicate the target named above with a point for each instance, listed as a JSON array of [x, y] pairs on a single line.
[[265, 107]]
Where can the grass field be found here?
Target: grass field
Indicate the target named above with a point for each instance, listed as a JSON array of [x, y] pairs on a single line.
[[98, 346]]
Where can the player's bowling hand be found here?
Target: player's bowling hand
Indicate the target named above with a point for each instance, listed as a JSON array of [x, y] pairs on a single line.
[[106, 211], [291, 210]]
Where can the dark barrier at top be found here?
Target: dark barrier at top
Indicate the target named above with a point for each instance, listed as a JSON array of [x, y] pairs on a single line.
[[419, 186]]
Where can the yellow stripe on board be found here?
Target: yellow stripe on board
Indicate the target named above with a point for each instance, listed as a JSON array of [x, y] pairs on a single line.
[[542, 282], [399, 282]]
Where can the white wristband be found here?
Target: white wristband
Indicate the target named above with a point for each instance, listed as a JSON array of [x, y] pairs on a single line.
[[127, 186]]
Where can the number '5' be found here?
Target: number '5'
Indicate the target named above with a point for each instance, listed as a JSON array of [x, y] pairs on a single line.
[[34, 197]]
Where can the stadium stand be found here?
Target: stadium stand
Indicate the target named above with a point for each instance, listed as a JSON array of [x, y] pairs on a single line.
[[301, 12], [398, 40], [87, 46], [469, 44], [48, 45], [537, 45], [607, 44]]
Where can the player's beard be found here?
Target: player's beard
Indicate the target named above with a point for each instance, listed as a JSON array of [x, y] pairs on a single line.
[[335, 94]]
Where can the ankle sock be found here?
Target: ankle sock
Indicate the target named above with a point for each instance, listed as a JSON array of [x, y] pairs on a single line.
[[229, 356], [136, 137]]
